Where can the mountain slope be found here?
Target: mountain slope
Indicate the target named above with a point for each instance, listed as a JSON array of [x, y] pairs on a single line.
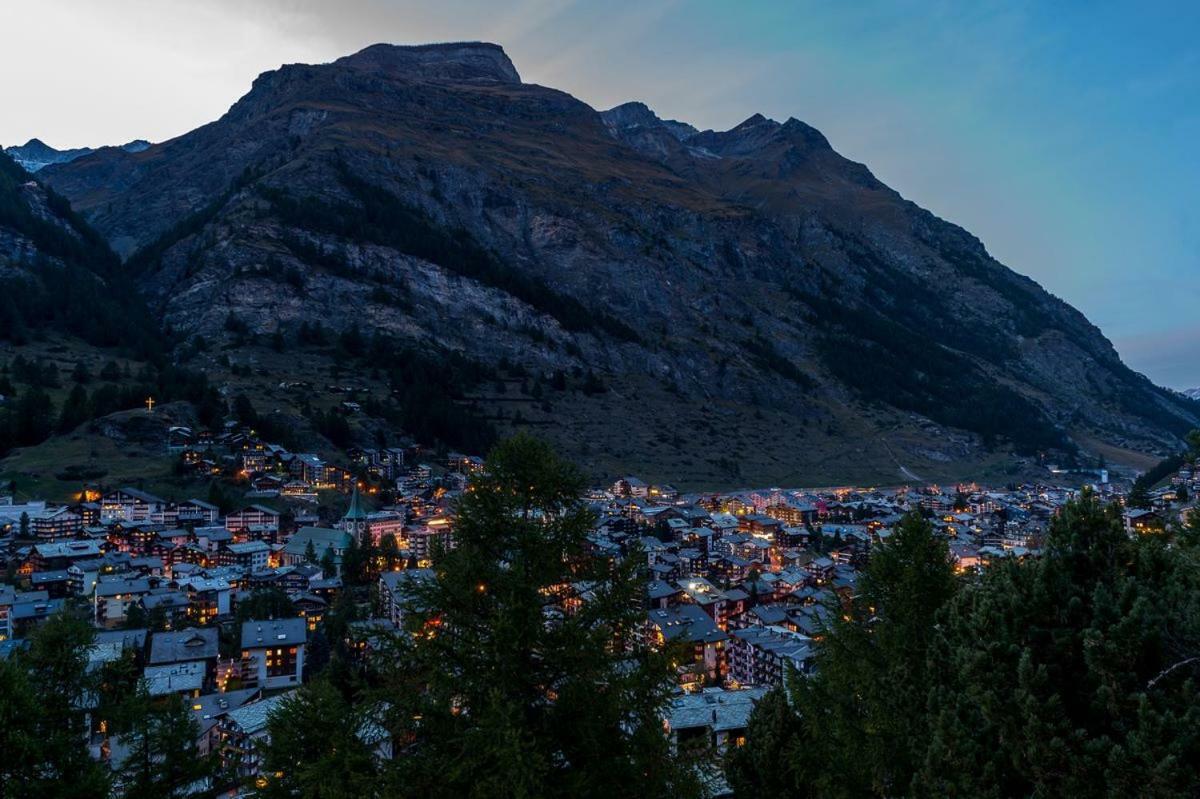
[[56, 272], [429, 193]]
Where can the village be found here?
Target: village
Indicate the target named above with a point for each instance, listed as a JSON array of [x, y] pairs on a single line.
[[234, 607]]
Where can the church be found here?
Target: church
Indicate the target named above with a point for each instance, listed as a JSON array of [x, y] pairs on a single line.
[[368, 526]]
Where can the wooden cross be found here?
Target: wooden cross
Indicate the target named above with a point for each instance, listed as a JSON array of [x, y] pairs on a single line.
[[150, 404]]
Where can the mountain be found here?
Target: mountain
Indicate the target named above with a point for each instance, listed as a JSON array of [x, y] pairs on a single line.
[[56, 272], [36, 154], [760, 308], [1192, 393]]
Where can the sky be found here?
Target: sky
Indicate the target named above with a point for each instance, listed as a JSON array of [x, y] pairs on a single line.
[[1063, 134]]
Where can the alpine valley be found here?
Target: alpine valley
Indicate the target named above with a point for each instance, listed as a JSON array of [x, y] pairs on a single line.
[[715, 308]]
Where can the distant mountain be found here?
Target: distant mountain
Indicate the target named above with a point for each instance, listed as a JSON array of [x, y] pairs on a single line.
[[750, 296], [36, 154], [1192, 393], [56, 272]]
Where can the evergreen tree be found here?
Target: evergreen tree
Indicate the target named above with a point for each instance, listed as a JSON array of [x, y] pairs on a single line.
[[57, 678], [1072, 675], [162, 761], [75, 410], [329, 567], [22, 762], [319, 747], [857, 726], [1139, 496], [766, 767], [503, 691]]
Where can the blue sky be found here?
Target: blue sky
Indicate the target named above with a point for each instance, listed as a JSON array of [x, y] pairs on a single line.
[[1062, 134]]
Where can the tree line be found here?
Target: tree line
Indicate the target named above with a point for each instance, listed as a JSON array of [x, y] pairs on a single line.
[[1072, 674]]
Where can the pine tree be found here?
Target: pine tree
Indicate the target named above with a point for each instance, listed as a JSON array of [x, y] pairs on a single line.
[[503, 690], [857, 726], [319, 746], [75, 410], [767, 767], [329, 567], [57, 676], [1074, 674], [162, 761]]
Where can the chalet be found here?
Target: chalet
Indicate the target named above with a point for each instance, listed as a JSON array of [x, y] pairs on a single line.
[[113, 596], [171, 603], [55, 524], [193, 651], [240, 732], [691, 627], [56, 584], [309, 607], [50, 557], [251, 556], [396, 592], [763, 655], [209, 709], [714, 719], [259, 516], [273, 652], [386, 463], [197, 512], [31, 609], [631, 487], [130, 504], [211, 539], [1140, 521], [306, 467], [209, 598]]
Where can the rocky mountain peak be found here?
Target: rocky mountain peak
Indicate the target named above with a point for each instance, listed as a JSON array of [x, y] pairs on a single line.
[[454, 61], [803, 133], [637, 114], [36, 145]]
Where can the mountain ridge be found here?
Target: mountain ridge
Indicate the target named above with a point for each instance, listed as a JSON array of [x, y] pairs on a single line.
[[35, 154], [451, 204]]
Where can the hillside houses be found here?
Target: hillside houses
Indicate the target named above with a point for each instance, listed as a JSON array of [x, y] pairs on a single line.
[[232, 610]]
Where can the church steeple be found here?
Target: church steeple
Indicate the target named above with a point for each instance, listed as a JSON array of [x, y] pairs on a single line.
[[355, 520]]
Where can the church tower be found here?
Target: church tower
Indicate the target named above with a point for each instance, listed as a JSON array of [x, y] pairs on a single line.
[[355, 520]]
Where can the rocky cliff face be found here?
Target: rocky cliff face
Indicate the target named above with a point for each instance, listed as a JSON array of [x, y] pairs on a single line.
[[427, 192]]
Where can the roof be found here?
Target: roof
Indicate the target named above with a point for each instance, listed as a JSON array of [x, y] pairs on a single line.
[[173, 678], [258, 508], [142, 495], [248, 547], [164, 599], [260, 634], [322, 538], [686, 623], [68, 549], [36, 609], [121, 586], [252, 718], [779, 641], [208, 708], [716, 708], [198, 643], [356, 511]]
